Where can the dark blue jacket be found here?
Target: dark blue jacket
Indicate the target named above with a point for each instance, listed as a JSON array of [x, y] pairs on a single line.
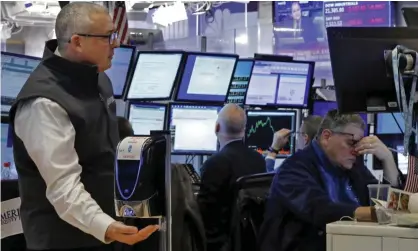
[[306, 194]]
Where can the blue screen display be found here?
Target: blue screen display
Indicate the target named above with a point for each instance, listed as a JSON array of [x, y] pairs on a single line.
[[386, 123], [8, 168], [206, 78], [15, 70], [285, 84], [193, 128], [120, 68], [240, 81], [300, 27]]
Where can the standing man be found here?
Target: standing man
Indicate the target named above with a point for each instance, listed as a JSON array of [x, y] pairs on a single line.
[[65, 138]]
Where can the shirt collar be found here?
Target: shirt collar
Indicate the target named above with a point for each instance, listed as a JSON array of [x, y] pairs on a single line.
[[324, 160]]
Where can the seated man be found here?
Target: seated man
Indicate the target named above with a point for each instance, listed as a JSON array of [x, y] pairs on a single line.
[[220, 172], [307, 132], [323, 183]]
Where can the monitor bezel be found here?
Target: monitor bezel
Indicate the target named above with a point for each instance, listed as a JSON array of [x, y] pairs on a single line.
[[176, 79], [295, 114], [276, 106], [169, 114], [226, 55], [142, 103], [128, 73], [230, 84]]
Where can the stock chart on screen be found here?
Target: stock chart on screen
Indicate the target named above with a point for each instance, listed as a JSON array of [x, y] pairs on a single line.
[[300, 27], [261, 126]]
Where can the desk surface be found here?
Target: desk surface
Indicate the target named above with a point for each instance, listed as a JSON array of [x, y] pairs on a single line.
[[370, 229]]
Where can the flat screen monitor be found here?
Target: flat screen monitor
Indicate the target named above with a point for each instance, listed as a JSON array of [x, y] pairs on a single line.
[[155, 75], [206, 77], [146, 117], [321, 108], [121, 64], [238, 87], [366, 86], [299, 26], [390, 123], [8, 168], [193, 128], [280, 84], [261, 126], [15, 70]]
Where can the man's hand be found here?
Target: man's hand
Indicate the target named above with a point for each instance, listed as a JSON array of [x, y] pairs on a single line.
[[373, 145], [117, 231], [280, 138]]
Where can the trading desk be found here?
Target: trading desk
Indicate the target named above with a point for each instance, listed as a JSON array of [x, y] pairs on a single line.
[[359, 236]]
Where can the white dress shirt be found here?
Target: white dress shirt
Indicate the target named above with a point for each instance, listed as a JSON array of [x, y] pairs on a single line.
[[48, 135]]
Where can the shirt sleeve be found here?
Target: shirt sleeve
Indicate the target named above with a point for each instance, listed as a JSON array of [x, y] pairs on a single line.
[[48, 135], [270, 162]]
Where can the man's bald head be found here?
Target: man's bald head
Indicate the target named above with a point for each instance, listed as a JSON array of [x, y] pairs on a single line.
[[231, 122]]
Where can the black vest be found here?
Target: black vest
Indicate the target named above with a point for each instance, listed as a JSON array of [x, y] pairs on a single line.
[[87, 97]]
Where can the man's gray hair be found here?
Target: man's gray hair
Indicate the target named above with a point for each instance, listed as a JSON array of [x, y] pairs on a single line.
[[335, 121], [75, 18], [311, 125]]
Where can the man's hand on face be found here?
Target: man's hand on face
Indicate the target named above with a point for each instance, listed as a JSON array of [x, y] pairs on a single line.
[[117, 231], [373, 145], [280, 138]]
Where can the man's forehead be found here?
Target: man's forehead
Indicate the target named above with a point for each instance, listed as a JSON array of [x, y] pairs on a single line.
[[102, 22]]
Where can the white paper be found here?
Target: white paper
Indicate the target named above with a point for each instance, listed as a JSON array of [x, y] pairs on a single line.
[[130, 148], [10, 218]]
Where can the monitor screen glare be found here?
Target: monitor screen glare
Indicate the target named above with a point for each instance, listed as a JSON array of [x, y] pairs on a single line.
[[145, 118], [120, 68], [206, 78], [15, 70], [8, 168], [240, 81], [154, 75], [280, 84], [193, 128], [261, 126]]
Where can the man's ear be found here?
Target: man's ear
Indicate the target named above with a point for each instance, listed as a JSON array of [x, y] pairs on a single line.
[[217, 128]]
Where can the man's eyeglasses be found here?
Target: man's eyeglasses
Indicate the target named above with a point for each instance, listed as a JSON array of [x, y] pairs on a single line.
[[352, 142], [113, 37]]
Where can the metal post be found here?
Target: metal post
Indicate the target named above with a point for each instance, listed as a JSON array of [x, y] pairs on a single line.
[[168, 182], [150, 42], [203, 43]]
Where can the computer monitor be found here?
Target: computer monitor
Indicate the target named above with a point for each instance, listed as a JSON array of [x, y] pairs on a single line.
[[146, 117], [411, 16], [193, 128], [362, 82], [280, 84], [206, 77], [8, 168], [15, 70], [155, 75], [390, 123], [121, 64], [238, 87], [261, 126]]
